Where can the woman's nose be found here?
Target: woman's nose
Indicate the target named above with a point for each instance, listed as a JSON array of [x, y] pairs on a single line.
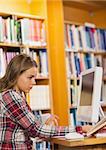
[[33, 81]]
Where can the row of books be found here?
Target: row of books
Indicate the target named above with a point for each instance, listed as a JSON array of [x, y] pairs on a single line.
[[42, 145], [40, 57], [22, 31], [84, 37], [73, 119], [39, 144], [78, 62], [103, 94], [39, 97], [5, 58], [73, 92]]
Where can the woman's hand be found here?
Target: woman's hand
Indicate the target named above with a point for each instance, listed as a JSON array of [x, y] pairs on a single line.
[[86, 128], [52, 120]]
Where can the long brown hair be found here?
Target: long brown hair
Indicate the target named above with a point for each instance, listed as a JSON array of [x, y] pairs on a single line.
[[15, 68]]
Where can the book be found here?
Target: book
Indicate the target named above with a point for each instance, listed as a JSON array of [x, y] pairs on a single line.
[[2, 63], [73, 120], [75, 34], [83, 37], [101, 133], [104, 66], [67, 37], [103, 94], [97, 127], [68, 65], [39, 97]]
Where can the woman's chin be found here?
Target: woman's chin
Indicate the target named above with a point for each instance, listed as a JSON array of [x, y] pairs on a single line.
[[27, 91]]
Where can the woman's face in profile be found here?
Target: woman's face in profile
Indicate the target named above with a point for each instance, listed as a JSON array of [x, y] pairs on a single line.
[[26, 80]]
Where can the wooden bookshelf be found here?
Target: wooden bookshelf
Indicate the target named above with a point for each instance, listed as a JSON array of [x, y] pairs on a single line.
[[56, 58], [77, 13], [42, 80], [54, 13], [81, 14], [9, 45], [86, 5], [41, 10], [18, 13], [2, 44]]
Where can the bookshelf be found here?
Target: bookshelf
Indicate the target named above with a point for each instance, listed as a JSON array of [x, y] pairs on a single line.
[[57, 61], [30, 11], [58, 13], [44, 10], [9, 44], [93, 14], [49, 10]]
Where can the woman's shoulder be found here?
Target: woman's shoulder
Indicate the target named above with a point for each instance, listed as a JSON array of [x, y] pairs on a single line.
[[11, 98], [11, 93]]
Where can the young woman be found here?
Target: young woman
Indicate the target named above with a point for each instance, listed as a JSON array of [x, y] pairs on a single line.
[[17, 122]]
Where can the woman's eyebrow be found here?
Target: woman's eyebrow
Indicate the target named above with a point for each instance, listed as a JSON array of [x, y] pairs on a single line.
[[33, 75]]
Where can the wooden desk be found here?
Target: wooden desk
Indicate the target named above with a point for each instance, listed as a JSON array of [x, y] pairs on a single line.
[[86, 144]]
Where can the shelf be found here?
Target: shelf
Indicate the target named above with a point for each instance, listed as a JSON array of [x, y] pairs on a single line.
[[86, 5], [45, 110], [73, 78], [2, 44], [21, 15], [96, 52], [42, 80], [79, 24], [72, 107], [9, 45], [72, 22], [35, 47], [78, 78]]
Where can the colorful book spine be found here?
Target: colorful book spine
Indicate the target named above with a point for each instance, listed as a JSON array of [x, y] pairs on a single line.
[[85, 37]]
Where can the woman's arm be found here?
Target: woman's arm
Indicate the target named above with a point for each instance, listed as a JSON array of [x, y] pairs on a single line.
[[18, 112]]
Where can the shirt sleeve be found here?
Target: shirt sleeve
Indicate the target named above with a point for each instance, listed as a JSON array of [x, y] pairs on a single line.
[[19, 113]]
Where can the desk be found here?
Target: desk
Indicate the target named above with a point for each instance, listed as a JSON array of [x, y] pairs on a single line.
[[87, 144]]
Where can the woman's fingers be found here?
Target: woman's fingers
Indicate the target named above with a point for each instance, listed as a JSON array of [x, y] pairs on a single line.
[[86, 128], [52, 120]]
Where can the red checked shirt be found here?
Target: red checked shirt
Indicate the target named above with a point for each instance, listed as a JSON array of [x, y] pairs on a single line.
[[18, 124]]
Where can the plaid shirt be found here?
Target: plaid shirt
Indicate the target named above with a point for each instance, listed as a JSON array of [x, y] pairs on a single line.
[[18, 124]]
